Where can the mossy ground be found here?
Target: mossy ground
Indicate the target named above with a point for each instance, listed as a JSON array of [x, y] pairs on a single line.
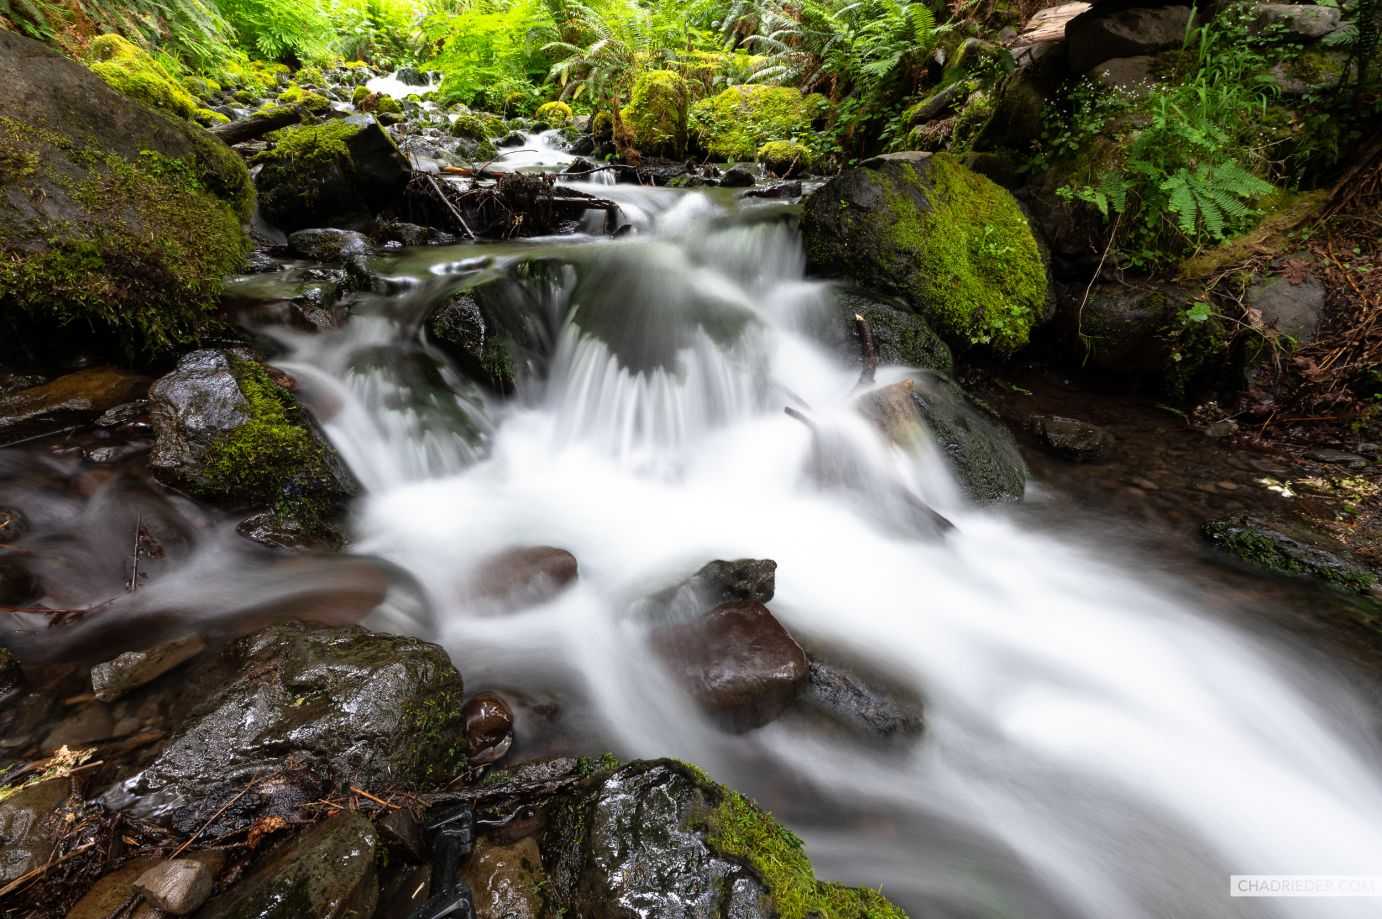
[[139, 274], [657, 114], [735, 123]]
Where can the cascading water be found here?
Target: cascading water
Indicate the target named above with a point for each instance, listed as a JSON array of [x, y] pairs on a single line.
[[1094, 747]]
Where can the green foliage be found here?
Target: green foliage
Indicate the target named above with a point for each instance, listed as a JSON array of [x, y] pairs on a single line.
[[657, 112], [735, 123], [489, 52]]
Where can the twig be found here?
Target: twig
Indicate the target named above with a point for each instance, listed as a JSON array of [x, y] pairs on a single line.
[[799, 416], [134, 567], [214, 817], [380, 801], [46, 434], [38, 872], [449, 206], [1079, 314]]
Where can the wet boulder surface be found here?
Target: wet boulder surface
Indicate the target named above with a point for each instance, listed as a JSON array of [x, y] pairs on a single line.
[[899, 337], [307, 708]]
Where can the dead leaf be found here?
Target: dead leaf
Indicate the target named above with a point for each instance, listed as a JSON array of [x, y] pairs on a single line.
[[265, 826]]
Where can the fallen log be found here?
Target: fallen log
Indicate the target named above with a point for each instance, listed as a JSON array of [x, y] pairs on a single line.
[[256, 126]]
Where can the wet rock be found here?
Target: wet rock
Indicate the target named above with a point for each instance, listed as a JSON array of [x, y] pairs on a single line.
[[112, 891], [11, 680], [737, 177], [327, 872], [69, 399], [1106, 32], [472, 335], [857, 705], [31, 823], [899, 337], [1292, 307], [367, 175], [83, 725], [346, 704], [522, 576], [737, 661], [780, 191], [274, 531], [178, 886], [1304, 22], [1121, 328], [110, 455], [1070, 438], [128, 413], [488, 727], [133, 669], [411, 234], [1338, 457], [401, 832], [329, 245], [18, 585], [228, 431], [982, 452], [512, 139], [506, 881], [1287, 549], [658, 838], [746, 580]]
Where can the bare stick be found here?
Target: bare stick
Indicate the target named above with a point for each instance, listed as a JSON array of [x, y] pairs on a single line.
[[799, 416], [134, 567], [37, 873], [449, 206], [214, 817], [870, 347]]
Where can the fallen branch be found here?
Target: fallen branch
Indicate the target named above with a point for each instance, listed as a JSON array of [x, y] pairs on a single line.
[[36, 873], [256, 126], [216, 816], [870, 348], [369, 797], [441, 196]]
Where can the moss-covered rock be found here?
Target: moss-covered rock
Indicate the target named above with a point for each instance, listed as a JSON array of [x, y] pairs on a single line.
[[118, 222], [663, 834], [300, 97], [130, 69], [321, 175], [784, 159], [953, 244], [1287, 550], [602, 127], [735, 123], [554, 114], [900, 337], [229, 433], [470, 127], [657, 112]]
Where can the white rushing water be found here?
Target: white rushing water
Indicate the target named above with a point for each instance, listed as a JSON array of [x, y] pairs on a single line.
[[1094, 747]]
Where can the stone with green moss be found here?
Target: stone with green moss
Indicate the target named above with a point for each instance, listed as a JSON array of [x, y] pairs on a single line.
[[133, 71], [320, 175], [1288, 550], [657, 112], [554, 114], [470, 127], [119, 222], [228, 432], [735, 123], [663, 834], [784, 159], [955, 246], [300, 97]]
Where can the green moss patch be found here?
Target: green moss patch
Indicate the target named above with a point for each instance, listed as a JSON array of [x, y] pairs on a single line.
[[554, 114], [734, 124], [132, 71], [740, 829], [784, 158], [1272, 548], [657, 114]]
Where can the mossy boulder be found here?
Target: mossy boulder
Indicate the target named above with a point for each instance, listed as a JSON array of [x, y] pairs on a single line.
[[657, 112], [299, 97], [900, 337], [955, 246], [1288, 550], [785, 159], [554, 114], [661, 834], [735, 123], [131, 70], [228, 432], [118, 222], [469, 127], [341, 171]]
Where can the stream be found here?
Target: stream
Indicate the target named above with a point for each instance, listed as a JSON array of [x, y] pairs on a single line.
[[1100, 743]]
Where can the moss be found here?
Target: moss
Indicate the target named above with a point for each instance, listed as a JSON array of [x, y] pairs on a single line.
[[969, 258], [132, 71], [302, 153], [469, 126], [602, 127], [299, 97], [358, 95], [310, 75], [734, 124], [656, 112], [141, 274], [1283, 553], [387, 105], [273, 459], [1271, 235], [435, 730], [740, 829], [784, 158], [555, 114]]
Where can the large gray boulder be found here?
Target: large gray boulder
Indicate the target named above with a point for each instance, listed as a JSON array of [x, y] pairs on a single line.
[[1105, 32], [117, 223], [900, 337], [305, 708], [1302, 21]]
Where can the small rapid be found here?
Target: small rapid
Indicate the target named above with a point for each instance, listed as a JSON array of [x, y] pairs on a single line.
[[1095, 747]]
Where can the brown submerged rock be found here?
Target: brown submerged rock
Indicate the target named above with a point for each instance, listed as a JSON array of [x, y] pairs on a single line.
[[738, 662], [521, 576], [506, 880], [72, 398], [488, 726]]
